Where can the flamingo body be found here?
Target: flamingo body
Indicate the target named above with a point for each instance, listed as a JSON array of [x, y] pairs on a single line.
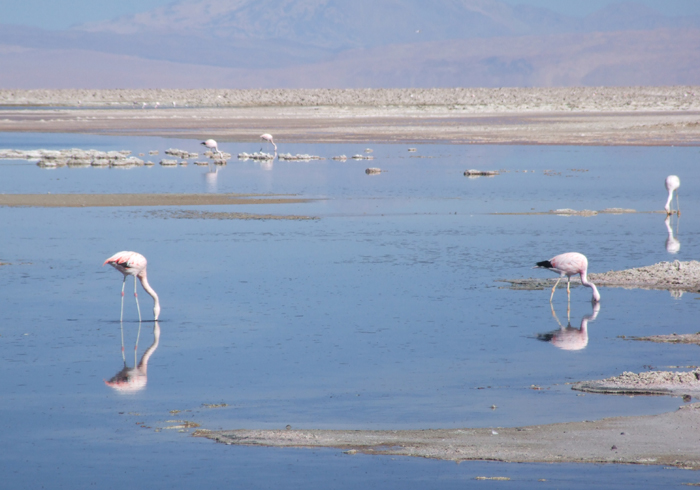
[[267, 137], [212, 145], [134, 264], [569, 264], [672, 184]]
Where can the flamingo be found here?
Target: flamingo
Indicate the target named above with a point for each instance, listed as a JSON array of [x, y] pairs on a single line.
[[672, 184], [211, 144], [134, 264], [569, 264], [268, 138]]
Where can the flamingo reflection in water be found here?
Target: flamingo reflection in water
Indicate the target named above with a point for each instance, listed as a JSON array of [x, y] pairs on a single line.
[[570, 338], [672, 243], [131, 380]]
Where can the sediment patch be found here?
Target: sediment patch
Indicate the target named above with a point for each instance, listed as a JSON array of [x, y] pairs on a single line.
[[119, 200], [668, 439]]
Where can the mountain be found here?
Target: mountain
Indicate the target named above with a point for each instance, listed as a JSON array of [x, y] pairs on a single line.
[[292, 43]]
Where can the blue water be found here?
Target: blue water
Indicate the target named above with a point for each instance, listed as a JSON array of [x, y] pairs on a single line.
[[385, 313]]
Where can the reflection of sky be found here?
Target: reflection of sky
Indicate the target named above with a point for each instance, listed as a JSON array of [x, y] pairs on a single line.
[[390, 320]]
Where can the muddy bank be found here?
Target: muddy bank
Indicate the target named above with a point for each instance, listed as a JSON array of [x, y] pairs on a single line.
[[99, 200], [647, 383], [686, 338], [188, 214], [572, 116], [677, 275], [668, 439]]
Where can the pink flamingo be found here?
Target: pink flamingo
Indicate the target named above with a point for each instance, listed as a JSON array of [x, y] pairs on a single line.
[[672, 183], [268, 138], [134, 264], [211, 144], [569, 264]]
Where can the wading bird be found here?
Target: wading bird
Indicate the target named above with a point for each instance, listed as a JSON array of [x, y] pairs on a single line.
[[569, 264], [134, 264], [672, 184], [211, 144], [268, 138]]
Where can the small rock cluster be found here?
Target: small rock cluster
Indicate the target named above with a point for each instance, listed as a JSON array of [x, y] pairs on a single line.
[[75, 157], [256, 156], [184, 154], [299, 157]]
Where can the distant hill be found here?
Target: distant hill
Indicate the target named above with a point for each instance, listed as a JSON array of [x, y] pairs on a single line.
[[373, 43]]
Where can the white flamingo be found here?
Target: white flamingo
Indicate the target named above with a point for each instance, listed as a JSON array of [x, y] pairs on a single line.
[[211, 144], [267, 137], [672, 184]]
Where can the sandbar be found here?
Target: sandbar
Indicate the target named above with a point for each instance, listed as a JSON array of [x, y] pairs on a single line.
[[109, 200], [669, 439]]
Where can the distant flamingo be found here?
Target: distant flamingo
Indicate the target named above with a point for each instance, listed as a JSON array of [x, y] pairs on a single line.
[[211, 144], [672, 184], [268, 138], [134, 264], [569, 264]]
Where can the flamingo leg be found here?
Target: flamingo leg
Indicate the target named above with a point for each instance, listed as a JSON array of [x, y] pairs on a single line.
[[678, 208], [554, 314], [136, 347], [136, 297], [555, 287], [121, 317], [121, 328]]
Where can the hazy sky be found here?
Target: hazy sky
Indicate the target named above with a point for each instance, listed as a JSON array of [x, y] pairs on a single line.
[[60, 14]]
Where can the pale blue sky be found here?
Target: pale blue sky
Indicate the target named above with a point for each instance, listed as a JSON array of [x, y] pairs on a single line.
[[53, 14]]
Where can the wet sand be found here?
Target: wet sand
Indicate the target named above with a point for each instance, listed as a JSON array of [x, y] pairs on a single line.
[[573, 116], [122, 200], [668, 439]]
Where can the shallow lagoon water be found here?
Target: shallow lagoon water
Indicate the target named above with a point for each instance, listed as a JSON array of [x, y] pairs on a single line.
[[384, 313]]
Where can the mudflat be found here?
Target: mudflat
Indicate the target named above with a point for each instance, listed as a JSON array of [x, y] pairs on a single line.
[[121, 200], [668, 439], [571, 116]]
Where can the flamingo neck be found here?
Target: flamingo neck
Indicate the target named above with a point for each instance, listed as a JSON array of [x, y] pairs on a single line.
[[586, 282], [143, 365], [667, 207], [147, 287]]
